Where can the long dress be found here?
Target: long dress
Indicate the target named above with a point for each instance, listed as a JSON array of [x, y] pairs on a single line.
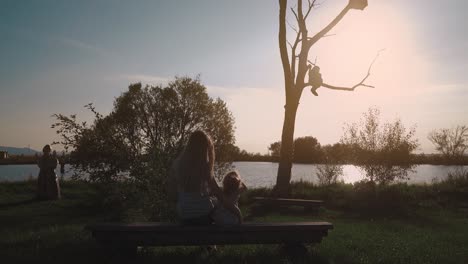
[[48, 185]]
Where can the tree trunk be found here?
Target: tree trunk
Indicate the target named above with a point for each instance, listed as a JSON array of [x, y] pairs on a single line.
[[287, 151], [294, 84]]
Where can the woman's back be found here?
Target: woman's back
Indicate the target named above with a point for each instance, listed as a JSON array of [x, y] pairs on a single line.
[[193, 194]]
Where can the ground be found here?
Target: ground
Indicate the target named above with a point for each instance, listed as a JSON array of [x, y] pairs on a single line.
[[53, 232]]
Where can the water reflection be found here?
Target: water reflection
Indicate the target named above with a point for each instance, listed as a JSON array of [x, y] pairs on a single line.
[[263, 174]]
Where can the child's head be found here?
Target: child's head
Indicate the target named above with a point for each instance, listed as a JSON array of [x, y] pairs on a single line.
[[232, 183]]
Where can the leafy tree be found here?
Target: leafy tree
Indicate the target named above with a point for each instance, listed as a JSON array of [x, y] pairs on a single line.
[[452, 143], [382, 151], [336, 153], [307, 149], [296, 65], [129, 151], [274, 148]]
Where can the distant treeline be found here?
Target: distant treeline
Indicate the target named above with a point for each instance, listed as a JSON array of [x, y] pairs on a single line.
[[25, 159], [437, 159], [19, 159], [433, 159], [306, 153], [308, 150]]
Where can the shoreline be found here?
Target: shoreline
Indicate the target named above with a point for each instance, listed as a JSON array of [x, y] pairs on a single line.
[[6, 162]]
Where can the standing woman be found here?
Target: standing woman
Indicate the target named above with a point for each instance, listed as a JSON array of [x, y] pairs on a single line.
[[193, 184], [48, 184]]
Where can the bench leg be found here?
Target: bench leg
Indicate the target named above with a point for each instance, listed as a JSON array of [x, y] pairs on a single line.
[[295, 249], [124, 251], [311, 209], [130, 251]]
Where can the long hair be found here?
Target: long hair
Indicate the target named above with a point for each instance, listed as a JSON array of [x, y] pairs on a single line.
[[195, 164]]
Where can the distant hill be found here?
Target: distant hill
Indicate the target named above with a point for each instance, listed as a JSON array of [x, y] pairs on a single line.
[[18, 151]]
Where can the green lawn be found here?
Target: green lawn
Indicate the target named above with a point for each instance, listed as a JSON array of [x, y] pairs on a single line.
[[53, 231]]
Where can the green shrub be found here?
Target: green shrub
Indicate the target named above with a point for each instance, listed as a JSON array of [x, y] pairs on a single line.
[[328, 174]]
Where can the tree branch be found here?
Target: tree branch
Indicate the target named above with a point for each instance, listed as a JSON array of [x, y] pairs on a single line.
[[288, 79], [313, 63], [326, 29], [301, 19], [303, 54], [328, 86], [292, 27], [361, 83], [295, 14], [293, 53], [302, 32], [311, 5]]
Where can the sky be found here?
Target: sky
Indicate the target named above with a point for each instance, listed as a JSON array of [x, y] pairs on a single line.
[[57, 56]]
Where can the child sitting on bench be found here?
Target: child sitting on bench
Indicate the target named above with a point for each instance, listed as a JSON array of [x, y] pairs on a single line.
[[232, 188]]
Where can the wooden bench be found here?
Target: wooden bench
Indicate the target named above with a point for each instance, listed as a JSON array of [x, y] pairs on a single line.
[[307, 204], [130, 236]]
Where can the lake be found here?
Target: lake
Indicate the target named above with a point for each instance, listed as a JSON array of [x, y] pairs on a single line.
[[257, 174]]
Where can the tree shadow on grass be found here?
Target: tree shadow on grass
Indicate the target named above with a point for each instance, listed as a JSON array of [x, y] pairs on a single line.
[[87, 251], [257, 210], [18, 203], [231, 254]]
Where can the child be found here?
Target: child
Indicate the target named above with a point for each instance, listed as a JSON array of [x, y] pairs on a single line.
[[232, 188]]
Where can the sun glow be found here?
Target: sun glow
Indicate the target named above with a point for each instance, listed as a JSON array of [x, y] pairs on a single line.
[[399, 73], [399, 76], [345, 57]]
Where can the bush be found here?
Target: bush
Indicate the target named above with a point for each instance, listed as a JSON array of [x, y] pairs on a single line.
[[451, 143], [328, 174], [454, 189], [383, 152]]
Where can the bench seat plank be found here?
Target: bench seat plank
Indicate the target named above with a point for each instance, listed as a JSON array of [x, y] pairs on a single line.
[[169, 234], [285, 201]]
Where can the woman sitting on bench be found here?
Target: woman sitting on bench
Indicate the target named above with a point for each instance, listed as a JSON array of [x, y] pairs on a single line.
[[192, 182]]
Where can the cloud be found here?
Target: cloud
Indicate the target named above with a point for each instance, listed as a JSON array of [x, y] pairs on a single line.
[[82, 46], [48, 39], [143, 78]]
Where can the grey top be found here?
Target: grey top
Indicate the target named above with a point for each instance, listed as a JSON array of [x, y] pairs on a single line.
[[191, 205]]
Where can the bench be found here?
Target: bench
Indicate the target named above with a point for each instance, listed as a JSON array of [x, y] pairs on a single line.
[[130, 236], [307, 204]]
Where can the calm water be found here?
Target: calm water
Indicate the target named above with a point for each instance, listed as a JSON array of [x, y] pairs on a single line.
[[256, 174], [263, 174], [25, 172]]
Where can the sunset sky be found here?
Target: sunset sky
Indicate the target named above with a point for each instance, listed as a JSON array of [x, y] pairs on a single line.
[[57, 56]]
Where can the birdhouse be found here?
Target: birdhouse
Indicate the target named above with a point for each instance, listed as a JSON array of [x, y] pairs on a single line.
[[358, 4]]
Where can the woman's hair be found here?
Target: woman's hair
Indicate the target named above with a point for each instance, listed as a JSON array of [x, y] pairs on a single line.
[[196, 163], [231, 183], [46, 148]]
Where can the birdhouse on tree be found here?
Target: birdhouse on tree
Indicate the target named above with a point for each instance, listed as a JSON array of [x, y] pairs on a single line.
[[358, 4]]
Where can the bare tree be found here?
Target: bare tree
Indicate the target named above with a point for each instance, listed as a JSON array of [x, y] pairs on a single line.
[[452, 143], [296, 65]]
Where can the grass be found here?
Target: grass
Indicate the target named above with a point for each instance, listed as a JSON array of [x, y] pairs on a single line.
[[52, 231]]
